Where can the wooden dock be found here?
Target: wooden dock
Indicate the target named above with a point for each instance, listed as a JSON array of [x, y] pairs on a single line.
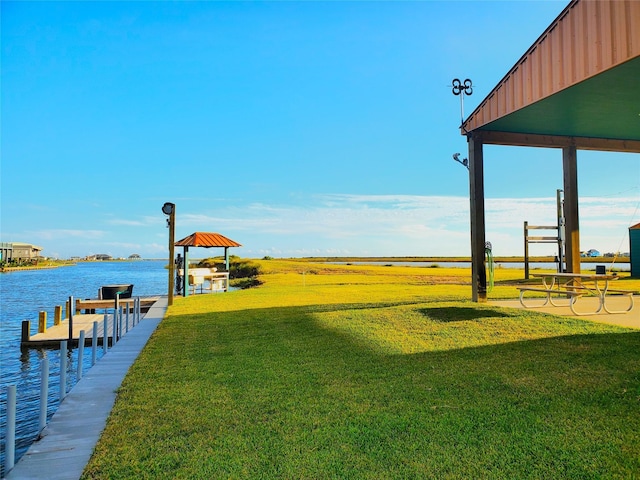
[[53, 335]]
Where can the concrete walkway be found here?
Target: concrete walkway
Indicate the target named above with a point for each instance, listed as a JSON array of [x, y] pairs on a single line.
[[628, 319], [69, 439]]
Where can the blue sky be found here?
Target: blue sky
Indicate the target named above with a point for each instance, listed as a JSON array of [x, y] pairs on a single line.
[[294, 128]]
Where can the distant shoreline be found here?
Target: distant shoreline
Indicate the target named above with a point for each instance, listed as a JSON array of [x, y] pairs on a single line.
[[545, 259], [31, 267]]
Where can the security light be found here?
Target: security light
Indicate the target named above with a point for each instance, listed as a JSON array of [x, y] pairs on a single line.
[[464, 161], [168, 208]]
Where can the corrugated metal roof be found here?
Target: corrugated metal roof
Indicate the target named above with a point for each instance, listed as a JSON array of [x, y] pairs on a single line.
[[589, 40], [206, 239]]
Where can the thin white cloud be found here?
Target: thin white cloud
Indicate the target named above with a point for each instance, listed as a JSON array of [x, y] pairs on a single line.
[[344, 224], [57, 234]]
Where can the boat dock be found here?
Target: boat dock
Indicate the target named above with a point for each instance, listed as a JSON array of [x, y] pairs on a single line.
[[64, 447], [51, 336]]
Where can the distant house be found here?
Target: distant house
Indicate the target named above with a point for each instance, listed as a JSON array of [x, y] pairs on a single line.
[[593, 253], [100, 256], [134, 256], [19, 252]]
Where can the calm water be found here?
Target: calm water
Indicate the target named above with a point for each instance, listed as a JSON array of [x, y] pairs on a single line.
[[22, 296]]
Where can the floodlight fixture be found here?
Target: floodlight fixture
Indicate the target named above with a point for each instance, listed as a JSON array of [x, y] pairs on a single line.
[[168, 208], [464, 162]]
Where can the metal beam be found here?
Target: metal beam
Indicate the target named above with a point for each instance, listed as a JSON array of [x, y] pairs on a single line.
[[476, 196], [572, 225], [489, 137]]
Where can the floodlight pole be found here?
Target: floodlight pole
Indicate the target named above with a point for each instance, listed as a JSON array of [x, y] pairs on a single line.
[[170, 210]]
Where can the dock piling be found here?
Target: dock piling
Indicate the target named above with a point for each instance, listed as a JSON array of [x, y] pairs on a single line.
[[42, 322], [114, 331], [10, 447], [80, 354], [120, 315], [105, 334], [26, 331], [70, 320], [94, 344], [44, 393], [63, 369]]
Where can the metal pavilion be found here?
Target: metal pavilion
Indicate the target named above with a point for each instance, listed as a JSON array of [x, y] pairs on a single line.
[[576, 88]]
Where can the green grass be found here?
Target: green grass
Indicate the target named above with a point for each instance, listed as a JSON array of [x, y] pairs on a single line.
[[373, 373]]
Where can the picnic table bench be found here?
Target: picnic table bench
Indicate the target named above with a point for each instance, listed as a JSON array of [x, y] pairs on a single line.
[[573, 286]]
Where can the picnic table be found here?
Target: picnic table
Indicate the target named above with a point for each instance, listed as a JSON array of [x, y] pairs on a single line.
[[573, 286]]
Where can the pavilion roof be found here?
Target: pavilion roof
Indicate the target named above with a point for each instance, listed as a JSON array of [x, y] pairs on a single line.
[[575, 86]]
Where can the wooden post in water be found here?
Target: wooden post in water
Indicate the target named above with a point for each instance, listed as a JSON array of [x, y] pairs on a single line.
[[42, 322], [26, 331], [57, 315]]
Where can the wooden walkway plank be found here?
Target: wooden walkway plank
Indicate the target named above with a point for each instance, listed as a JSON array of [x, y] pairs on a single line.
[[55, 334]]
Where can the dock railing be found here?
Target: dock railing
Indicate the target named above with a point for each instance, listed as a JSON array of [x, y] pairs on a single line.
[[114, 325]]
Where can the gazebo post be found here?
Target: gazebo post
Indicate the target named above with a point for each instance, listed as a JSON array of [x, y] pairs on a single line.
[[185, 280], [226, 258]]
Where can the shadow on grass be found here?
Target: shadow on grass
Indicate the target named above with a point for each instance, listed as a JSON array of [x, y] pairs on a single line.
[[288, 397], [461, 314]]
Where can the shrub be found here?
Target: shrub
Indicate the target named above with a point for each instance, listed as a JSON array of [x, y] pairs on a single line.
[[244, 269]]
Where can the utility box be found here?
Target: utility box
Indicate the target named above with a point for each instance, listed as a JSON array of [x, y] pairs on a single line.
[[634, 250]]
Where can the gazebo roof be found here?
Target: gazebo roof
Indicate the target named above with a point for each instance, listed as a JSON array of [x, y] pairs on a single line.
[[206, 240]]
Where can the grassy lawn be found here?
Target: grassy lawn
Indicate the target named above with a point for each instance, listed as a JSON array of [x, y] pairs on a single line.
[[374, 372]]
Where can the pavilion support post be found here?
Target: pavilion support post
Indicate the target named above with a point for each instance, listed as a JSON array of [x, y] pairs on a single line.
[[226, 258], [572, 229], [476, 195]]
